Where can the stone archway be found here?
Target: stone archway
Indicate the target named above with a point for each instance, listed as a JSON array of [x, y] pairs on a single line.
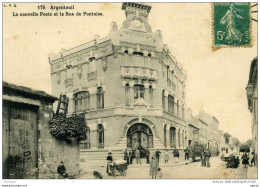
[[139, 136]]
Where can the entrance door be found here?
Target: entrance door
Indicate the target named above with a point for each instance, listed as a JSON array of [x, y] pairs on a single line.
[[139, 136], [139, 139]]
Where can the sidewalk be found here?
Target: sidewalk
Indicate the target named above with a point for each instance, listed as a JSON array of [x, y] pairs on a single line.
[[252, 172]]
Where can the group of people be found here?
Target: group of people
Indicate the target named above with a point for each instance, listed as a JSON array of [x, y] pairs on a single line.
[[245, 159]]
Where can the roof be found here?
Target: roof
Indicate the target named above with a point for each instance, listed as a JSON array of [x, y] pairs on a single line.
[[253, 71], [13, 89]]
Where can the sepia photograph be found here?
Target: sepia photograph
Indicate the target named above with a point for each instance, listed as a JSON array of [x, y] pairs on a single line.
[[130, 90]]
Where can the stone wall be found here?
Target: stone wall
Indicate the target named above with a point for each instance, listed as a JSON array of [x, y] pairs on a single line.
[[52, 151]]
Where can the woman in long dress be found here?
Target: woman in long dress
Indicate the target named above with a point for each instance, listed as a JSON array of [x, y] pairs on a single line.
[[154, 166]]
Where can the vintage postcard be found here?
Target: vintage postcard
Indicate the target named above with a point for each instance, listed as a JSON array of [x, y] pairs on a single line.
[[130, 91]]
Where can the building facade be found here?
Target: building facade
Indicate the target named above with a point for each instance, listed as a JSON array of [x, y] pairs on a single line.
[[193, 129], [252, 98], [209, 133], [130, 87]]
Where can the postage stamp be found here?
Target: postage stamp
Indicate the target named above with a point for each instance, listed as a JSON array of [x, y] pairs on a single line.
[[231, 24]]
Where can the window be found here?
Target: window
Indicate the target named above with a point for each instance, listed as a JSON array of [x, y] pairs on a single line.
[[138, 91], [170, 103], [82, 101], [179, 138], [100, 98], [151, 95], [172, 137], [100, 136], [183, 138], [178, 109], [163, 99], [92, 65], [127, 89], [86, 143]]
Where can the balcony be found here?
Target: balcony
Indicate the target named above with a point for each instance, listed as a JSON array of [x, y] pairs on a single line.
[[249, 90], [138, 72]]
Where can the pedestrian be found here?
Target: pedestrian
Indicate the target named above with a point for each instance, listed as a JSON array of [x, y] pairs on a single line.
[[131, 156], [176, 155], [157, 154], [154, 164], [110, 164], [202, 157], [253, 159], [137, 156], [207, 157], [166, 156], [61, 170], [147, 155], [126, 156], [245, 159], [187, 152], [159, 173]]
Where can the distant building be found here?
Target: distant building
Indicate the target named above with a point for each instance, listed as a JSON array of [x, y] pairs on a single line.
[[130, 87], [193, 129], [209, 133], [252, 101]]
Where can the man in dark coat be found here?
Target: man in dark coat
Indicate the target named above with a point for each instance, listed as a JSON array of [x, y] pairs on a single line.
[[207, 157], [61, 170], [187, 152], [131, 156], [147, 155], [157, 154], [126, 156]]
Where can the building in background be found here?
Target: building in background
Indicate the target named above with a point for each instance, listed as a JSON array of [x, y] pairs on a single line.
[[209, 133], [193, 129], [252, 102], [130, 87]]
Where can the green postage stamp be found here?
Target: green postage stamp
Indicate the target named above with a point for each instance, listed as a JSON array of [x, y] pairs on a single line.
[[231, 24]]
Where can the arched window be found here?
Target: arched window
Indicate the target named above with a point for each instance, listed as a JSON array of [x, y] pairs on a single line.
[[178, 109], [165, 134], [151, 95], [172, 137], [179, 138], [163, 99], [100, 136], [82, 101], [100, 98], [127, 94], [170, 103], [86, 143], [138, 91]]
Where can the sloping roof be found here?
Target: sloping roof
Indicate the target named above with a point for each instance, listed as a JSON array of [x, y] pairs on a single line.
[[13, 89], [253, 71]]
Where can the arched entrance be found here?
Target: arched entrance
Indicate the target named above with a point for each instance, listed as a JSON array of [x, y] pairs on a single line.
[[139, 136]]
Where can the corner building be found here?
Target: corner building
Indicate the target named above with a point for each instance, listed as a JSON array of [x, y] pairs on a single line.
[[129, 85]]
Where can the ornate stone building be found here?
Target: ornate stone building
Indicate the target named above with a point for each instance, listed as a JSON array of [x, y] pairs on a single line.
[[128, 84]]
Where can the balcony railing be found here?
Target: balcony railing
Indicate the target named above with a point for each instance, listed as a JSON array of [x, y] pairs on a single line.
[[138, 72], [92, 75], [68, 82]]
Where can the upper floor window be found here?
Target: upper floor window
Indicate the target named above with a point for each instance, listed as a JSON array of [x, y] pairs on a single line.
[[171, 103], [151, 95], [138, 91], [100, 98], [183, 112], [82, 101], [163, 99], [127, 94], [92, 65]]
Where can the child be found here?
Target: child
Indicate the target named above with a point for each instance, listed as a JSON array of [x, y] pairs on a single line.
[[159, 173]]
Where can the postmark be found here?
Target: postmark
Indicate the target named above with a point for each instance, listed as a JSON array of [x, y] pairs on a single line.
[[231, 25]]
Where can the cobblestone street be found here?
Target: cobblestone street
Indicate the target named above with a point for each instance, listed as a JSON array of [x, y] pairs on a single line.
[[183, 170]]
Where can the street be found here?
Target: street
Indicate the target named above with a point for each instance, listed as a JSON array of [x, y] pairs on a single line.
[[182, 170]]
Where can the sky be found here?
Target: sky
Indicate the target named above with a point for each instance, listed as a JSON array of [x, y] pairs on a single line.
[[216, 80]]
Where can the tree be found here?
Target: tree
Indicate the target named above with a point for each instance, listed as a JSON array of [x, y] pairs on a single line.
[[227, 137], [236, 142], [249, 142]]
